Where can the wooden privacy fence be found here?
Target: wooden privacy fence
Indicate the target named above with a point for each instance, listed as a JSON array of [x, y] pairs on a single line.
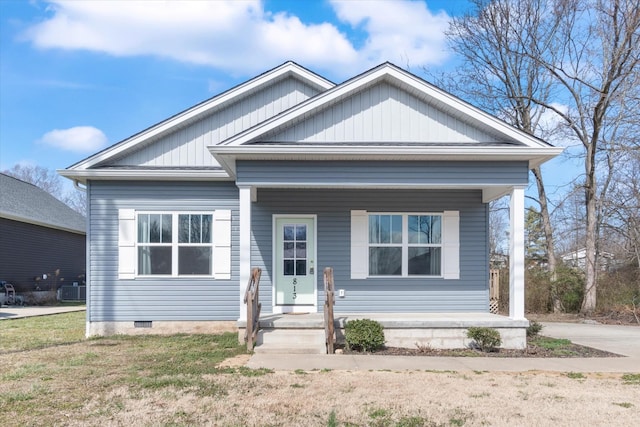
[[494, 290], [253, 308], [329, 301]]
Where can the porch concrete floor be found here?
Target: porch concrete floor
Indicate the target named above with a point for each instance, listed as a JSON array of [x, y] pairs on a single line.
[[392, 320]]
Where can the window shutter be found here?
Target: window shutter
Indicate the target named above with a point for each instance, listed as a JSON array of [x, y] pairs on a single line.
[[126, 244], [359, 244], [451, 244], [222, 244]]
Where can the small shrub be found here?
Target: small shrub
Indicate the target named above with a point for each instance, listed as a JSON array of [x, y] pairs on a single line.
[[486, 339], [534, 329], [364, 335]]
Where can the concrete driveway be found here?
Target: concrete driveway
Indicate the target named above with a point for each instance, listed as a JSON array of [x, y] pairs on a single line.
[[624, 340], [17, 312]]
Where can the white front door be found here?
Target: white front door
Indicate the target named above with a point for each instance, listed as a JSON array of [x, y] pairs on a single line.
[[295, 264]]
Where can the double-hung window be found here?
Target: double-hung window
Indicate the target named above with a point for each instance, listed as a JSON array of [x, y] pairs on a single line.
[[405, 245], [175, 244]]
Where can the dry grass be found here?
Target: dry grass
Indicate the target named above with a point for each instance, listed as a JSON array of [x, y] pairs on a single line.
[[117, 382], [199, 380]]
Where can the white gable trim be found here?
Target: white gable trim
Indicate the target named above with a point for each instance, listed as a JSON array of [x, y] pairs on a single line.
[[396, 75], [288, 68], [145, 174]]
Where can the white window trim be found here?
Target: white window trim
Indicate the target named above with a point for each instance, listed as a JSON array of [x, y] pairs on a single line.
[[175, 246], [450, 256], [405, 245], [128, 244]]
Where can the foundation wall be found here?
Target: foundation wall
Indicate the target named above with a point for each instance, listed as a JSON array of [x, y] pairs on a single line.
[[160, 327]]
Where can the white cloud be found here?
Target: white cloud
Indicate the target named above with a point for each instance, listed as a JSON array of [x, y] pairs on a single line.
[[241, 37], [404, 32], [552, 128], [79, 139]]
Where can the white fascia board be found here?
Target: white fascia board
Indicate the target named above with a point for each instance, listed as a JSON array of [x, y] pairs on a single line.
[[173, 122], [387, 71], [390, 152], [144, 175], [227, 155]]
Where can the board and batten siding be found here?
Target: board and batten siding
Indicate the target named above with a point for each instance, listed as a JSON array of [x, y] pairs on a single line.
[[148, 299], [383, 113], [187, 146], [344, 173], [333, 209]]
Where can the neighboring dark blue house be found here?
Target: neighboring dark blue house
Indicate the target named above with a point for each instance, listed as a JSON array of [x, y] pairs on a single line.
[[38, 235]]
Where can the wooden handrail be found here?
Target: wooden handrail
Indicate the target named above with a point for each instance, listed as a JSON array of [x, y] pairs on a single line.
[[251, 297], [329, 301]]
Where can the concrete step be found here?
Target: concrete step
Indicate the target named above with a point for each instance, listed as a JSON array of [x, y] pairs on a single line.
[[297, 341]]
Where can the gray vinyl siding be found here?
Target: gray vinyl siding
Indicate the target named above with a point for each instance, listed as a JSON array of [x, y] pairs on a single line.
[[333, 209], [383, 113], [343, 173], [181, 299], [187, 146]]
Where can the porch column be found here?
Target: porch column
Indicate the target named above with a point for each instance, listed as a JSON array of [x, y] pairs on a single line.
[[516, 254], [245, 245]]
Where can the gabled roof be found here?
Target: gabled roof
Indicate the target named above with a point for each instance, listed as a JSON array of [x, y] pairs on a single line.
[[513, 145], [24, 202], [288, 69]]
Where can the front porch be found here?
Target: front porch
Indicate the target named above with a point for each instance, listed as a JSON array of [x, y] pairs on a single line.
[[304, 333]]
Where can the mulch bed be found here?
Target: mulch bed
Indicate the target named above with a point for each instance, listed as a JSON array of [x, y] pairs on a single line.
[[571, 350]]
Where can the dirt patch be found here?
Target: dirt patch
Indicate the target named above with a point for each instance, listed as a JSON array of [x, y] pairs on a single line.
[[235, 362]]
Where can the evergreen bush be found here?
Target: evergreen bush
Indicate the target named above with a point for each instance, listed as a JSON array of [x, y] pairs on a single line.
[[364, 335]]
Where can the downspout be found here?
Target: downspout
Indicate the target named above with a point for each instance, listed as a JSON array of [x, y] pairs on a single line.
[[87, 327]]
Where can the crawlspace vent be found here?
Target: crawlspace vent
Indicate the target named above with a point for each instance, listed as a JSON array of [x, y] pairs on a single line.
[[142, 324]]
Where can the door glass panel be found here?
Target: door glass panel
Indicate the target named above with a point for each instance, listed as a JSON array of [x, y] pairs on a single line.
[[301, 250], [289, 232], [301, 232], [288, 267], [294, 249], [288, 250], [301, 267]]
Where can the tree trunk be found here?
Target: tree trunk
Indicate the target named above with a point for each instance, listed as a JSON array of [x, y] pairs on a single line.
[[548, 235], [591, 271]]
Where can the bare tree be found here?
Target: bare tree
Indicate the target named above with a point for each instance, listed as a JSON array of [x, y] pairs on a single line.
[[588, 51], [501, 79], [43, 178], [595, 67], [622, 210], [49, 181]]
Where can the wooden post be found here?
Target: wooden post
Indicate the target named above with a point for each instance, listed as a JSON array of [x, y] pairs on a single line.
[[251, 298], [329, 301], [494, 290]]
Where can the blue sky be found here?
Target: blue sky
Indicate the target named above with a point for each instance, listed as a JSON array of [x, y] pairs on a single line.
[[77, 76]]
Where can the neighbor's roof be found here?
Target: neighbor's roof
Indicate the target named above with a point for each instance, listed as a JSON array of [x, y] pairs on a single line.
[[24, 202]]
